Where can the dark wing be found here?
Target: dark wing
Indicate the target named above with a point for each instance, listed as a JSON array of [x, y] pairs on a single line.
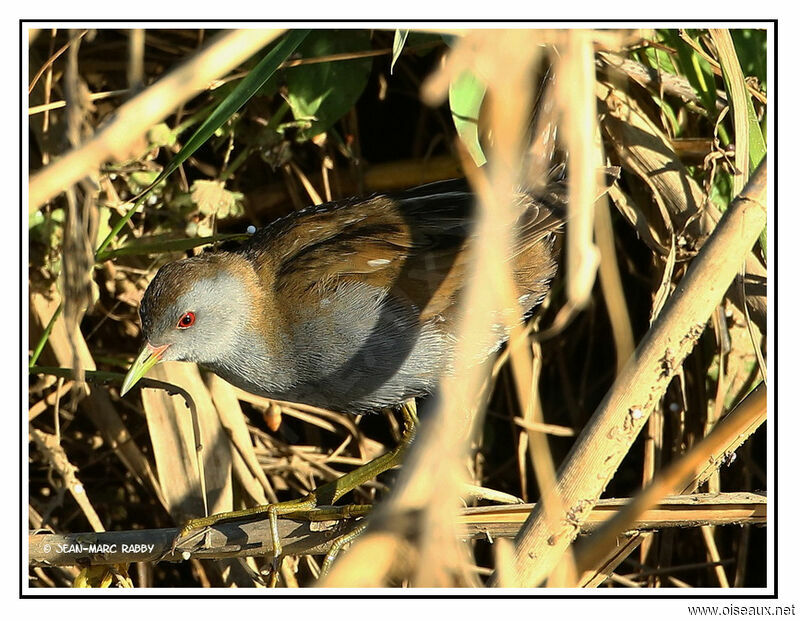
[[409, 243]]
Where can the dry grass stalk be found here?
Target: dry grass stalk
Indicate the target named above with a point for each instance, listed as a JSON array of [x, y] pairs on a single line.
[[616, 423], [680, 474], [134, 118], [427, 490], [579, 120]]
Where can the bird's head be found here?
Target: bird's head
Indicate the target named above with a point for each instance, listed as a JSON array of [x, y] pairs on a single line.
[[196, 310]]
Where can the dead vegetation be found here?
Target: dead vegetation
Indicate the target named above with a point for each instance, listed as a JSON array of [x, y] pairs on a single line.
[[635, 381]]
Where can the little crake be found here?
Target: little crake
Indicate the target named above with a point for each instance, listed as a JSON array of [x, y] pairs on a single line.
[[351, 305]]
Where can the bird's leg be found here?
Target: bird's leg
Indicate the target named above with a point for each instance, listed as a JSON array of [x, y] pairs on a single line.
[[337, 544], [312, 506]]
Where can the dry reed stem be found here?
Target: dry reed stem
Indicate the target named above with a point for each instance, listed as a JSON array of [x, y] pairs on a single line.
[[574, 88], [136, 39], [245, 463], [428, 486], [682, 511], [173, 438], [139, 114], [679, 474], [653, 78], [501, 522], [713, 555], [615, 424]]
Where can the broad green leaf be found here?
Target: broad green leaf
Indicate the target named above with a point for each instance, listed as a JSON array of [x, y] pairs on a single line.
[[750, 145], [658, 58], [237, 98], [35, 218], [466, 96], [400, 37], [744, 114], [322, 93]]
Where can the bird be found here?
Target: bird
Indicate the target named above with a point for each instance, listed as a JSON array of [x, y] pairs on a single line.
[[350, 305]]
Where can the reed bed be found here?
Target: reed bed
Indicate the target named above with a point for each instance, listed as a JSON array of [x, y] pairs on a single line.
[[616, 441]]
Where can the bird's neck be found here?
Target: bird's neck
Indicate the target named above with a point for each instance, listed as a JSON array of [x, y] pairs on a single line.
[[257, 359]]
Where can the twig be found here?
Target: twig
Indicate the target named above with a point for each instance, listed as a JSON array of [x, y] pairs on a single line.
[[686, 511], [49, 446]]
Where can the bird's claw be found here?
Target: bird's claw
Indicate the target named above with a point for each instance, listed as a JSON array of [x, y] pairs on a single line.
[[187, 540]]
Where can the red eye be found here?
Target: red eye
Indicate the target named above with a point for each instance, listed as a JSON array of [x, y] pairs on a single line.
[[186, 320]]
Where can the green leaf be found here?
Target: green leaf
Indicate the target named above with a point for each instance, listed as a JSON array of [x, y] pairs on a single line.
[[466, 96], [400, 37], [740, 100], [697, 70], [658, 58], [322, 93], [35, 218], [237, 98], [751, 48], [748, 134], [669, 114], [140, 179], [157, 244], [44, 337]]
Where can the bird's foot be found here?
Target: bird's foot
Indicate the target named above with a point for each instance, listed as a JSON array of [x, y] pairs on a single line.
[[338, 544]]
